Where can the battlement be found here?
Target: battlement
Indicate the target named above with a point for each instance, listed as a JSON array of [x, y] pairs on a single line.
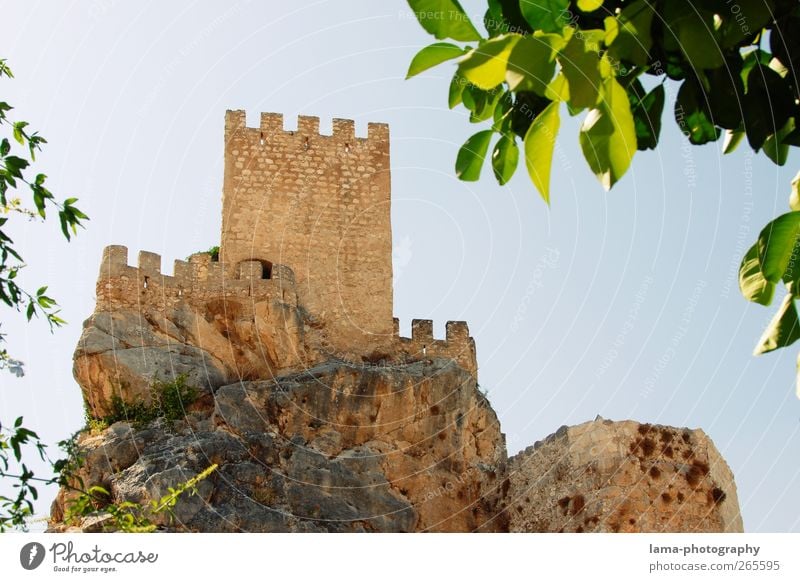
[[272, 127], [457, 345], [122, 285]]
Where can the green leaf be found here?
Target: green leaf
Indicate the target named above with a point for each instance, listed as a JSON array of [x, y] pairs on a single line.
[[546, 15], [724, 94], [775, 146], [767, 105], [485, 65], [580, 66], [628, 36], [531, 64], [753, 285], [608, 135], [589, 5], [754, 14], [15, 165], [732, 140], [433, 55], [691, 30], [5, 147], [782, 331], [481, 103], [19, 131], [505, 158], [776, 243], [794, 196], [472, 155], [692, 116], [646, 110], [540, 141], [444, 19]]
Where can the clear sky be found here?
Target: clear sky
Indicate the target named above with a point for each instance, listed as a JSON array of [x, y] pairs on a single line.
[[623, 304]]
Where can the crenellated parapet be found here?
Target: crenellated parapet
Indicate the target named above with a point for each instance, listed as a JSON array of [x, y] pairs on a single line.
[[199, 279], [271, 129], [457, 345]]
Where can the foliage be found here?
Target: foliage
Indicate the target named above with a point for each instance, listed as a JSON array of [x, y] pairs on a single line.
[[18, 148], [167, 400], [596, 56], [127, 516], [15, 511], [735, 65], [775, 259], [16, 172]]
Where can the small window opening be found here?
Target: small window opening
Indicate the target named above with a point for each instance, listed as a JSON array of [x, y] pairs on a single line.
[[146, 280]]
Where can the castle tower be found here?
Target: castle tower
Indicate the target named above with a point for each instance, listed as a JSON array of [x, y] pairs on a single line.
[[320, 205]]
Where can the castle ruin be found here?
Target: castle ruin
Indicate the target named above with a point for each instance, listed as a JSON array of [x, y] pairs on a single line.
[[306, 223], [319, 416]]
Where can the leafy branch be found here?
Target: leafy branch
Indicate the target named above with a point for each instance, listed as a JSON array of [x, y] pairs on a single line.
[[737, 70], [15, 168]]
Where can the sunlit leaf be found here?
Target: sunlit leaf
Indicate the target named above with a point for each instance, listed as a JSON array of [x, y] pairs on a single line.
[[531, 64], [433, 55], [581, 68], [776, 243], [472, 155], [485, 65], [589, 5], [505, 158], [753, 285], [628, 36], [782, 331], [540, 141], [546, 15], [794, 196], [444, 19], [608, 136]]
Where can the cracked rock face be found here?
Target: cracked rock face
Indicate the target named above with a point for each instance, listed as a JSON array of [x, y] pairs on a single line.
[[122, 352], [605, 476], [337, 447]]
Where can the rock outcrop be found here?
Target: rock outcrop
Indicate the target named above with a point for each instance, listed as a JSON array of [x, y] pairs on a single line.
[[605, 476], [299, 387], [336, 447]]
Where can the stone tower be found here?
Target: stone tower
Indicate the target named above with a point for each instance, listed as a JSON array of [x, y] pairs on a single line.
[[321, 204]]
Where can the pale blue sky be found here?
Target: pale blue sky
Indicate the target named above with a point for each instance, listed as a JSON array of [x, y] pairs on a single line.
[[623, 304]]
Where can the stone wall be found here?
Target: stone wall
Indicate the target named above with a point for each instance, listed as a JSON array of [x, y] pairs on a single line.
[[320, 204], [121, 286]]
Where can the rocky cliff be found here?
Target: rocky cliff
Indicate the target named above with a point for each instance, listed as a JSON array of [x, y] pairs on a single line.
[[312, 438], [336, 447], [605, 476]]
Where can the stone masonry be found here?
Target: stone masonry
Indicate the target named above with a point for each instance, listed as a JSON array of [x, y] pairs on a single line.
[[320, 204]]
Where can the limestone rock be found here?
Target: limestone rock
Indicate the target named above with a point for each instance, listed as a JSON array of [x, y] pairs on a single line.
[[122, 352], [605, 476], [337, 447]]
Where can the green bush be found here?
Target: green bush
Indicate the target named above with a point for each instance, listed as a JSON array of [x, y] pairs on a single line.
[[168, 400]]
